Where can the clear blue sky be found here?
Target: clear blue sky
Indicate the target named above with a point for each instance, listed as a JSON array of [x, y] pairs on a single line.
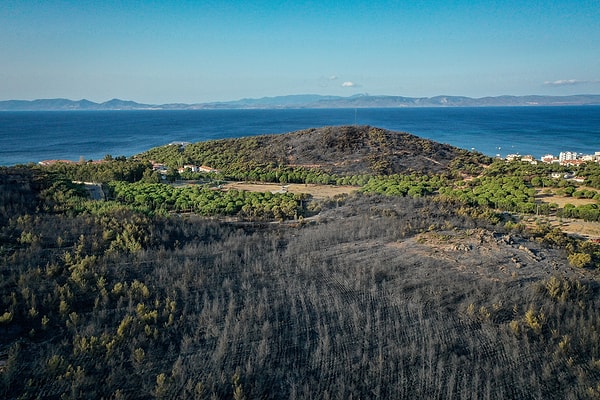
[[200, 51]]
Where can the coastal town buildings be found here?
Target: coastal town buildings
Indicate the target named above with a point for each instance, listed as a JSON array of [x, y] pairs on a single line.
[[195, 168], [549, 158], [588, 157], [205, 168], [192, 168], [47, 163], [566, 158], [530, 159]]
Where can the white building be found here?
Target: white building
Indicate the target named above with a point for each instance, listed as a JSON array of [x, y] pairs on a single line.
[[192, 168], [567, 156], [529, 158], [549, 158], [588, 157]]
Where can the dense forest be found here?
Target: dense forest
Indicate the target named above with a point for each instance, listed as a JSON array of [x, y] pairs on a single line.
[[425, 282]]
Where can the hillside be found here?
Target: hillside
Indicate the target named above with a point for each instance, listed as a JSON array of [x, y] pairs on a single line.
[[376, 297], [412, 287], [358, 149], [341, 150]]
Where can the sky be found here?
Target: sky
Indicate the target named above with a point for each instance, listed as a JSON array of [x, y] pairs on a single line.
[[160, 52]]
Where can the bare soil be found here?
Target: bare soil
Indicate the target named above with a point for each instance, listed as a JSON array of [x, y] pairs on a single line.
[[571, 226], [316, 191], [562, 201], [481, 254], [580, 227]]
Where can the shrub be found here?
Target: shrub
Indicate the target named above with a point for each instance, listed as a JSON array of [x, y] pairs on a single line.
[[580, 260]]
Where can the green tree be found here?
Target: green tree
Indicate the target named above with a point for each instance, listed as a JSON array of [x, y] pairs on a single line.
[[580, 260]]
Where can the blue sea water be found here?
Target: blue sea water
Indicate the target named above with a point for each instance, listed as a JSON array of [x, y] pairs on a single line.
[[35, 136]]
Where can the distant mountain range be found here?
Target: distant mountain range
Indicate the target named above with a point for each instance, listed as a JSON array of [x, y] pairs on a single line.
[[307, 101]]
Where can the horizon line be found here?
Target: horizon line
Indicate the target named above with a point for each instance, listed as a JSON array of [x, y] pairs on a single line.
[[298, 95]]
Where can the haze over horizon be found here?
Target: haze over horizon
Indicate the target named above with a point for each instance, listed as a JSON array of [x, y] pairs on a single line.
[[159, 52]]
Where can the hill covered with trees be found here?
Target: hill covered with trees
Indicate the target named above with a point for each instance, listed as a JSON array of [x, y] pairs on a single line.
[[342, 150], [427, 282]]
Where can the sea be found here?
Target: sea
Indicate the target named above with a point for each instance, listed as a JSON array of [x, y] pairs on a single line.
[[32, 136]]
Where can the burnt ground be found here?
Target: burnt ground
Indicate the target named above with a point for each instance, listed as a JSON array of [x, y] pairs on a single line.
[[485, 255], [358, 149], [373, 298]]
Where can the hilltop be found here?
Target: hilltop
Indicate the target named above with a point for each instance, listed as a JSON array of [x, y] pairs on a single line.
[[341, 150], [357, 149]]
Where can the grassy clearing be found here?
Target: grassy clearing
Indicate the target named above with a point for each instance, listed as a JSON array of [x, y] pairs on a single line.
[[579, 227], [316, 191], [570, 226], [562, 201]]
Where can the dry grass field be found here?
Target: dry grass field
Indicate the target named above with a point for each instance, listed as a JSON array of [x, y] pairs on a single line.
[[579, 227], [316, 191], [570, 226], [575, 227], [562, 201]]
